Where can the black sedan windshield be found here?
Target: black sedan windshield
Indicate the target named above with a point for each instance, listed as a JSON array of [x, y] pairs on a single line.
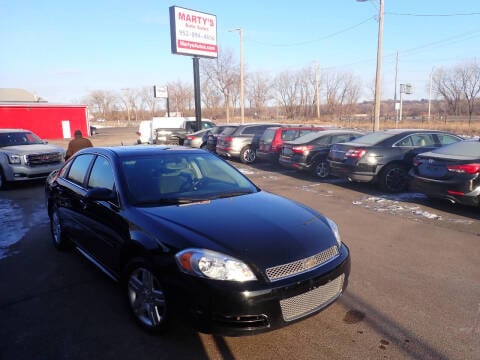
[[180, 178]]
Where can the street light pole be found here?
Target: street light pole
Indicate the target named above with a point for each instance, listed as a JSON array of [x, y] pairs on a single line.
[[378, 76], [242, 87]]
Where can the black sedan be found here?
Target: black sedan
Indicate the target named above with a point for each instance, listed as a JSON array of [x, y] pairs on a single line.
[[309, 152], [384, 157], [187, 235], [451, 172]]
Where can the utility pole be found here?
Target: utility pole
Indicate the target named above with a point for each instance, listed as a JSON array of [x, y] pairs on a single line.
[[317, 91], [430, 95], [395, 105]]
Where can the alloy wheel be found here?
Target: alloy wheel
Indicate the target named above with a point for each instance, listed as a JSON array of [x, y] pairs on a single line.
[[146, 298]]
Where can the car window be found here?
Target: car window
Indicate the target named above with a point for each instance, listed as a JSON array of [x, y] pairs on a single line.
[[288, 135], [268, 135], [251, 130], [324, 140], [101, 174], [19, 138], [229, 130], [446, 139], [341, 138], [423, 140], [207, 125], [307, 131], [79, 168], [405, 142]]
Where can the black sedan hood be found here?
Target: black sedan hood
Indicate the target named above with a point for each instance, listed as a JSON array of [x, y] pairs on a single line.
[[260, 228]]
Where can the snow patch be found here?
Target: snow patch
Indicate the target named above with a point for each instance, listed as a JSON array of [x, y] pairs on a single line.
[[15, 224]]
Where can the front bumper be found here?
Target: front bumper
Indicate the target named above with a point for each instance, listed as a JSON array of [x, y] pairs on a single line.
[[20, 172], [235, 309]]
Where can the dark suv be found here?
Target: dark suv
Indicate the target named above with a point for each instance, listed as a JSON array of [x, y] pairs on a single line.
[[270, 144], [384, 156], [239, 142]]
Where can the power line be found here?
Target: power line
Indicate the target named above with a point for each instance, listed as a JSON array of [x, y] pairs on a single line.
[[433, 15], [316, 40]]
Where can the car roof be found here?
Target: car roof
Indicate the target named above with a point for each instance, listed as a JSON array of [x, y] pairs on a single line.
[[409, 131], [138, 150]]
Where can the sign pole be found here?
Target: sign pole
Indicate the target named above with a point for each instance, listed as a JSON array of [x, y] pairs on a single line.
[[196, 86]]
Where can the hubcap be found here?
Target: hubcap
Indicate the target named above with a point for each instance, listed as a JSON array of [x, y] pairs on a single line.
[[322, 170], [395, 179], [146, 297], [249, 156], [56, 228]]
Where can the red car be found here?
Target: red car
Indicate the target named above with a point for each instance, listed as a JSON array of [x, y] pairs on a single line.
[[270, 144]]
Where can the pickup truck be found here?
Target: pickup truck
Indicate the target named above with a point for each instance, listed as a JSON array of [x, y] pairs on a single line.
[[169, 130], [24, 156]]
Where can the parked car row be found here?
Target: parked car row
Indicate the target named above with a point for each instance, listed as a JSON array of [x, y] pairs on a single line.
[[438, 164]]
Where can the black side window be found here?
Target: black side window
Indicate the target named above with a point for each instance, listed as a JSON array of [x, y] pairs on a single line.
[[446, 139], [324, 140], [341, 138], [79, 168], [250, 130], [405, 142], [101, 174]]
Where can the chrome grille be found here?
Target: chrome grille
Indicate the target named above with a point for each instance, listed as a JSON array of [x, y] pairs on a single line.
[[296, 267], [313, 300], [43, 159]]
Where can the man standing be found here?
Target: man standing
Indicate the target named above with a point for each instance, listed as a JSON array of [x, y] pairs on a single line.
[[77, 143]]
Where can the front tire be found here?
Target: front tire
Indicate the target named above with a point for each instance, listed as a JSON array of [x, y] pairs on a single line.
[[60, 240], [247, 155], [394, 178], [146, 296]]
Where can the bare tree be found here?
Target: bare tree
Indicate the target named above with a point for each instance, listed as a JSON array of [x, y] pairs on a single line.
[[147, 101], [470, 77], [343, 91], [223, 74], [259, 91], [181, 97], [211, 99], [101, 103], [448, 84], [286, 85]]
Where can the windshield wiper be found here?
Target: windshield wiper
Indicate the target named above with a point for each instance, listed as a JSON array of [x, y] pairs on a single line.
[[230, 194], [169, 201]]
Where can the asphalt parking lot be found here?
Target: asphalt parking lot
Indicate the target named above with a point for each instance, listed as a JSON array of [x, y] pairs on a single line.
[[414, 290]]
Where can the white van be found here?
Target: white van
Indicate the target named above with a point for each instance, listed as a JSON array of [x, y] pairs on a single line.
[[145, 132]]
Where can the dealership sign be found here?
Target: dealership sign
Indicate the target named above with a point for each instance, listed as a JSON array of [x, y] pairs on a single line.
[[193, 33]]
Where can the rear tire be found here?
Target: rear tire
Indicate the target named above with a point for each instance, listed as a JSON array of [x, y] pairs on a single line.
[[394, 178], [247, 155], [320, 169]]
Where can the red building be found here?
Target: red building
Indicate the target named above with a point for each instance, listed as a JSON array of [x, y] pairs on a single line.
[[49, 121], [46, 120]]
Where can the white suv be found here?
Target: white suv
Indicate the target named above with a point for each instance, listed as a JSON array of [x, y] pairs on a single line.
[[24, 156]]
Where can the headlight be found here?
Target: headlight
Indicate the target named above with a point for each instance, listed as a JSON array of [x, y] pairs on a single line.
[[14, 159], [213, 265], [334, 228]]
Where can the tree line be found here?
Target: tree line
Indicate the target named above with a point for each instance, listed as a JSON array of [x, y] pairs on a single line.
[[305, 93]]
